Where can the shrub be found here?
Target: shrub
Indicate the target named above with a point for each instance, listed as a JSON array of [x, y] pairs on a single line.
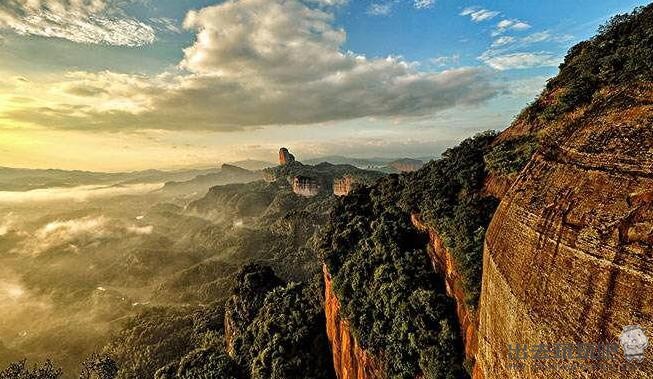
[[20, 370], [620, 54], [511, 156]]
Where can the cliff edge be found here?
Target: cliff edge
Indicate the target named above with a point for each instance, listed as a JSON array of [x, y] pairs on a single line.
[[568, 256]]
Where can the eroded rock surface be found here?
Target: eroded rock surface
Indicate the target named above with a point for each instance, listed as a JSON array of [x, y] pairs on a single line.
[[350, 360], [444, 263], [305, 186], [569, 254]]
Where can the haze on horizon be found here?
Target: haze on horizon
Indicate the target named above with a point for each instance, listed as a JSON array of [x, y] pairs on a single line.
[[109, 85]]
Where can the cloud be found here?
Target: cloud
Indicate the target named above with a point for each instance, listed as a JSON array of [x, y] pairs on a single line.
[[91, 22], [421, 4], [504, 40], [538, 37], [255, 63], [508, 52], [377, 9], [446, 60], [81, 193], [166, 24], [546, 36], [71, 235], [527, 88], [329, 3], [140, 230], [385, 8], [520, 60], [479, 14], [7, 224], [514, 24]]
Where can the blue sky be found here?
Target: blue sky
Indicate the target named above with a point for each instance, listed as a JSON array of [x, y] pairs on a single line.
[[143, 83]]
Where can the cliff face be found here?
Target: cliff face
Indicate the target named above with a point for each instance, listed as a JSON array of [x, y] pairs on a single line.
[[443, 262], [406, 165], [497, 185], [304, 186], [285, 157], [568, 255], [350, 361], [343, 186]]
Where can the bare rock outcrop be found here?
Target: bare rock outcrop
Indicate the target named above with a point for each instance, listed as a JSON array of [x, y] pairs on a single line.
[[285, 157], [568, 254], [444, 263], [350, 360], [344, 185], [497, 185], [406, 165], [305, 186]]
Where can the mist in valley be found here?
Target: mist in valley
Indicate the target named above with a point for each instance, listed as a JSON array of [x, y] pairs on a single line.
[[78, 263]]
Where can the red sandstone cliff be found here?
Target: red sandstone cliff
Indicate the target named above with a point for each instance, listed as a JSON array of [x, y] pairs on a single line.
[[569, 253], [443, 262], [343, 186], [352, 361], [285, 157], [497, 185], [349, 359]]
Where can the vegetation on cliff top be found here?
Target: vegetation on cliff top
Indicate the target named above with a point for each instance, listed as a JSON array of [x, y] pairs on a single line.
[[511, 156], [324, 172], [287, 338], [94, 367], [277, 330], [621, 53], [381, 271], [448, 195], [386, 286]]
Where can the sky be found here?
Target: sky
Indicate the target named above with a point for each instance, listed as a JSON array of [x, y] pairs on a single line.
[[117, 85]]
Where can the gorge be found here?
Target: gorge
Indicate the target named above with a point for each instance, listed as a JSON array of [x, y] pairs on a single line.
[[567, 254]]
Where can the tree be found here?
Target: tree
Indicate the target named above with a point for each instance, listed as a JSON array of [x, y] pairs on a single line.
[[20, 370], [99, 367]]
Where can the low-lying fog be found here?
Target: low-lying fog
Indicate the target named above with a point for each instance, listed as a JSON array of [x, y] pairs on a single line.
[[80, 193], [74, 262]]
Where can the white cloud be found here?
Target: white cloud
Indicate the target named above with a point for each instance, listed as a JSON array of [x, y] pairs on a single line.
[[446, 60], [527, 88], [261, 62], [508, 52], [329, 3], [520, 60], [520, 25], [90, 21], [81, 193], [7, 224], [546, 36], [384, 8], [538, 37], [140, 230], [70, 235], [479, 14], [377, 9], [505, 25], [502, 41], [421, 4], [166, 24]]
